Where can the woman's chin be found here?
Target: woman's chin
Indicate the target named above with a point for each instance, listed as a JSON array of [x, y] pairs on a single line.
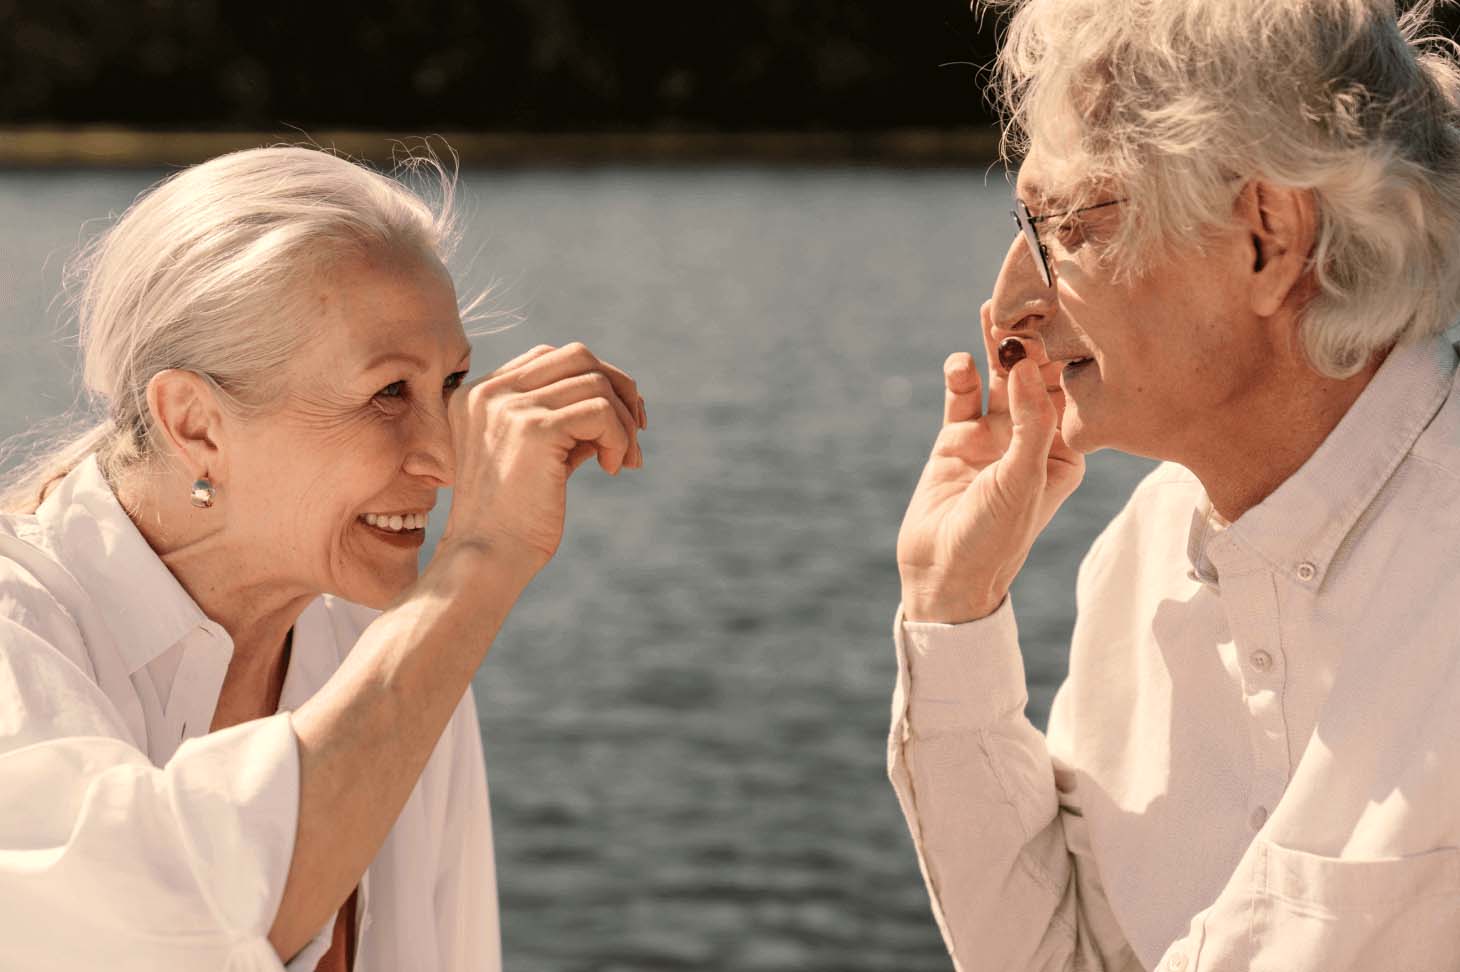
[[380, 586]]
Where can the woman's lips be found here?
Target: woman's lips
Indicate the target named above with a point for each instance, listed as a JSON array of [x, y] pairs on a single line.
[[396, 538]]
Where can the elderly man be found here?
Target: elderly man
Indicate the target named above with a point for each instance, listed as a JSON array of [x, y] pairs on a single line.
[[1238, 252]]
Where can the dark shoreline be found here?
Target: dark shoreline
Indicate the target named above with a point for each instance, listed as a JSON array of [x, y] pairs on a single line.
[[110, 147]]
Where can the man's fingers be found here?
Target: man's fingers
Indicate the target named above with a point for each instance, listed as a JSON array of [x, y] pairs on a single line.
[[998, 380], [962, 389], [1033, 416]]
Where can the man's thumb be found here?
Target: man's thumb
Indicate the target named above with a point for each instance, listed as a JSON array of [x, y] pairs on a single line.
[[1034, 418]]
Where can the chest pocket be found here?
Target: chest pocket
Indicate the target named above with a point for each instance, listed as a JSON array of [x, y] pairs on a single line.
[[1398, 914]]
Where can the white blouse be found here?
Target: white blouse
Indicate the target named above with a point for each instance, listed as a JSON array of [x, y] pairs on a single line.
[[130, 836], [1254, 763]]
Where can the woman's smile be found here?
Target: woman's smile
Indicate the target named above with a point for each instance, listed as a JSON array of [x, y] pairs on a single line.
[[408, 530]]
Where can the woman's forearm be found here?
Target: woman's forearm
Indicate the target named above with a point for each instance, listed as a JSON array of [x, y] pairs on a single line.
[[366, 736]]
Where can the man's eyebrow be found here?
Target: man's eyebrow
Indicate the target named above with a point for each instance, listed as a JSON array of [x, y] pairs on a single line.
[[390, 357]]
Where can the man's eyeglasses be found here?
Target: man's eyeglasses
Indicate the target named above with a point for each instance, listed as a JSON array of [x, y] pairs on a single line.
[[1028, 227]]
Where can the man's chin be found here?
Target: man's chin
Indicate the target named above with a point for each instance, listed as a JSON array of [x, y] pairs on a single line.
[[1078, 433]]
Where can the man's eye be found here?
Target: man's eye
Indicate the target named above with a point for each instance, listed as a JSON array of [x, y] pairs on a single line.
[[455, 379], [393, 390]]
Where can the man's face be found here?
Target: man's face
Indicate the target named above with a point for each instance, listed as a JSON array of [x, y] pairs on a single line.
[[1143, 365]]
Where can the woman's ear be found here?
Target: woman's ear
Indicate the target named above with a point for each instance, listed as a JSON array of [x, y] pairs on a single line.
[[185, 411], [1281, 224]]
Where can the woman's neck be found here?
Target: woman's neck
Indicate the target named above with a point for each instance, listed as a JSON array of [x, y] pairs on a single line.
[[225, 576]]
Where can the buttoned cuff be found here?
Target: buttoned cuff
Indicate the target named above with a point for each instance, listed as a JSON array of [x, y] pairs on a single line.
[[958, 676]]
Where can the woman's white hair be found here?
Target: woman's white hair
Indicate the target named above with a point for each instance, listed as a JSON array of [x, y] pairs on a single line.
[[1176, 104], [203, 273]]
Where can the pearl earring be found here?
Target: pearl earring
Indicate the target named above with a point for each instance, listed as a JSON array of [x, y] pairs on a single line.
[[202, 494]]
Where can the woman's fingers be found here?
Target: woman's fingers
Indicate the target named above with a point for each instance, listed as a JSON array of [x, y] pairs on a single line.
[[523, 359], [580, 454], [594, 385], [595, 422], [576, 359], [962, 389]]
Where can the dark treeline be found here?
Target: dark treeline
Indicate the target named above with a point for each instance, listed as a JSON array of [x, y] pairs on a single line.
[[524, 65], [534, 65]]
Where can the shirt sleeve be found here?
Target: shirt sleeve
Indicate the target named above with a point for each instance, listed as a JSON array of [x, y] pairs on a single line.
[[1001, 846], [107, 861], [466, 880]]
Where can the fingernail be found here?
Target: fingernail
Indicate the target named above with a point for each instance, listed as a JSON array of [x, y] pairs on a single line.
[[643, 415]]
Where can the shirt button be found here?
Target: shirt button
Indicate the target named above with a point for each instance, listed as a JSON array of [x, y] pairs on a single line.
[[1177, 962], [1260, 660], [1259, 817], [1307, 571]]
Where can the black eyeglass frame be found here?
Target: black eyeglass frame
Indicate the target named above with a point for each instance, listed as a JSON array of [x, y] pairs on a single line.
[[1028, 228]]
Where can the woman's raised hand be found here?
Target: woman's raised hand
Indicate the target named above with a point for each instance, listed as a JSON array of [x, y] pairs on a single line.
[[520, 432], [994, 481]]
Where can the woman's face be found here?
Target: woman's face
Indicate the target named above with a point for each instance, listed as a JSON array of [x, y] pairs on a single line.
[[360, 433]]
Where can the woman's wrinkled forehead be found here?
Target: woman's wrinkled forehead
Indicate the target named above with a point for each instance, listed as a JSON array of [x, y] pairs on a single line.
[[370, 309]]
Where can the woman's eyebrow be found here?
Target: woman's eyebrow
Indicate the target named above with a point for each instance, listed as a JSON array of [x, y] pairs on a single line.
[[389, 357]]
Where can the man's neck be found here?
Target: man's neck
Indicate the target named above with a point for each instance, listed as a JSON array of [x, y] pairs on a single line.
[[1251, 449]]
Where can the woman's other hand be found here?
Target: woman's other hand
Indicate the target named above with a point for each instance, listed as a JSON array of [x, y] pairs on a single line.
[[520, 432], [995, 479]]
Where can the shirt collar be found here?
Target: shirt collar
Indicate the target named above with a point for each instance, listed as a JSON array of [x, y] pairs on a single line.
[[146, 608], [1299, 527]]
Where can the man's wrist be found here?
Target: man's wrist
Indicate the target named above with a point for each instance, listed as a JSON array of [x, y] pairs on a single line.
[[949, 611]]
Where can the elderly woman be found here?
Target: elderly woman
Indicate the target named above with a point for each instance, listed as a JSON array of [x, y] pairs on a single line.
[[1238, 251], [237, 730]]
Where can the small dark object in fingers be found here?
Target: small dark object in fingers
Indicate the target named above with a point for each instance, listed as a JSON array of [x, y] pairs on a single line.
[[1011, 352]]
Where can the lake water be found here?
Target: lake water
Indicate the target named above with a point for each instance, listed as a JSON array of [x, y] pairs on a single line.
[[685, 718]]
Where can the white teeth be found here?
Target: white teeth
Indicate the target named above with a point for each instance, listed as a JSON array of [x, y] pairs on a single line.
[[396, 522]]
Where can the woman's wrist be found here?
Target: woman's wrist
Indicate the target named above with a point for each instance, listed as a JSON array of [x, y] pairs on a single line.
[[460, 565]]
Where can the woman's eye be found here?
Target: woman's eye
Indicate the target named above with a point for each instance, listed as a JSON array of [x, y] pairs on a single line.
[[393, 390], [455, 379]]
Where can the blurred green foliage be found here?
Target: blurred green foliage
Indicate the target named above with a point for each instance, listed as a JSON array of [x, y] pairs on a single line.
[[536, 65]]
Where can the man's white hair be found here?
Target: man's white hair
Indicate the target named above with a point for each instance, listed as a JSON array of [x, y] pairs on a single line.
[[1176, 104]]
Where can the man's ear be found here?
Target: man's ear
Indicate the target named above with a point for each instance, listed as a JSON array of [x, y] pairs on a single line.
[[1281, 224], [186, 412]]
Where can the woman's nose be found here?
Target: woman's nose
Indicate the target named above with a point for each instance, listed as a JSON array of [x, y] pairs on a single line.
[[433, 453], [1021, 301]]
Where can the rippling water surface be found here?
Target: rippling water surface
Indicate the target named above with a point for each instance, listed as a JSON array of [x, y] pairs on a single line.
[[685, 718]]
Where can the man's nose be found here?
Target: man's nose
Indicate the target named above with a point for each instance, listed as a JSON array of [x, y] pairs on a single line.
[[1021, 302]]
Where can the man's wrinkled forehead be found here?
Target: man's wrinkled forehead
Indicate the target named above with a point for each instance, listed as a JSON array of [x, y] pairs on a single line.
[[1031, 185], [1043, 192]]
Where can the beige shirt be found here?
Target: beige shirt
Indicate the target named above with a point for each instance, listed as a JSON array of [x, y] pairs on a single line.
[[1255, 760], [131, 838]]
